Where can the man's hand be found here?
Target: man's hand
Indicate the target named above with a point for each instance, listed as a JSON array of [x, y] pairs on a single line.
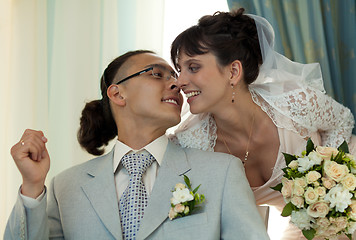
[[31, 157]]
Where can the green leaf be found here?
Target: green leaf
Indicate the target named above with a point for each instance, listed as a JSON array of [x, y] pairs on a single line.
[[187, 181], [278, 187], [287, 210], [309, 234], [344, 147], [310, 146], [289, 158], [196, 189], [349, 236]]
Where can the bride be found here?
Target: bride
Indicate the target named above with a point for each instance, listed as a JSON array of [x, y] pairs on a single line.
[[250, 101]]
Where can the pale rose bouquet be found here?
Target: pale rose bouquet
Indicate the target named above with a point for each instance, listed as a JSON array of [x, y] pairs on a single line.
[[319, 189], [184, 199]]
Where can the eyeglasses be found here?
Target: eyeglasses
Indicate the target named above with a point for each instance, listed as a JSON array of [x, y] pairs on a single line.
[[158, 71]]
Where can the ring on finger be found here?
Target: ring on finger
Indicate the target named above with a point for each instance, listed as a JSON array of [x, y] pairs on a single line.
[[22, 142]]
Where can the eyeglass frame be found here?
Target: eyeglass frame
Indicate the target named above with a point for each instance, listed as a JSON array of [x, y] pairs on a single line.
[[142, 72]]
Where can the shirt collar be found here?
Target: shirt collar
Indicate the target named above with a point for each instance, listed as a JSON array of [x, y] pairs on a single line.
[[157, 148]]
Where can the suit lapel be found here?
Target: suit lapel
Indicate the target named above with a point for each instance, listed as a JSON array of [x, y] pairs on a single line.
[[101, 192], [173, 166]]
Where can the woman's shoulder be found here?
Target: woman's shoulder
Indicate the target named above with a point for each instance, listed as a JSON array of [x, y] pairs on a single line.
[[197, 131]]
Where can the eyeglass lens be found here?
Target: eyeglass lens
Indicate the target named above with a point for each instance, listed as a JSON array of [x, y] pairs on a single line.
[[163, 73]]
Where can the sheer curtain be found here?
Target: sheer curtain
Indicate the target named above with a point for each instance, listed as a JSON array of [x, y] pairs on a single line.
[[52, 54]]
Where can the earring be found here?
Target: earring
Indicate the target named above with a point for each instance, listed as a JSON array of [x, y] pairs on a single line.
[[233, 93]]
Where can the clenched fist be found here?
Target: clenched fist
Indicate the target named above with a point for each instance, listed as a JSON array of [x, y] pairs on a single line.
[[31, 157]]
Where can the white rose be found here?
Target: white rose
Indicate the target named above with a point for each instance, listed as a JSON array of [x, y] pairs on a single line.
[[310, 195], [339, 197], [181, 195], [293, 164], [349, 182], [298, 201], [304, 164], [312, 176], [315, 157], [328, 182], [335, 171], [301, 219], [318, 209]]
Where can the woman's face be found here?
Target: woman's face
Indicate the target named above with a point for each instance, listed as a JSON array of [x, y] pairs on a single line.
[[204, 83]]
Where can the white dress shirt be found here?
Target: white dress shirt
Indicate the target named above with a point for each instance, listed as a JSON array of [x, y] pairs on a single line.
[[157, 148]]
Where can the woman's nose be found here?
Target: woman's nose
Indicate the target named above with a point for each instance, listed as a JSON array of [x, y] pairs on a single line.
[[181, 82]]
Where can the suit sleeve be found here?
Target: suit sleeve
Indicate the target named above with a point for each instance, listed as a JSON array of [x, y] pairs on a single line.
[[240, 216], [27, 223]]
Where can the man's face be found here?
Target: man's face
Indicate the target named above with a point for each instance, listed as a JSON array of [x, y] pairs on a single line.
[[152, 97]]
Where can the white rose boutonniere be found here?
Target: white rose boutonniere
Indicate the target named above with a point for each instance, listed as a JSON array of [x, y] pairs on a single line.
[[184, 199]]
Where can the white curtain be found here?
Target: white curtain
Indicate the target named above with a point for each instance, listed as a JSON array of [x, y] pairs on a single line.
[[52, 54]]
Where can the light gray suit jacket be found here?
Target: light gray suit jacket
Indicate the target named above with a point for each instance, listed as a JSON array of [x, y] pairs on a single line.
[[82, 202]]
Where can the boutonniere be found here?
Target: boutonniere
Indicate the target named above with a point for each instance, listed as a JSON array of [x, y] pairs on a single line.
[[184, 199]]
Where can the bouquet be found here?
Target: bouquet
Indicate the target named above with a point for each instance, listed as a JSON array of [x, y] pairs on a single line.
[[319, 189], [184, 199]]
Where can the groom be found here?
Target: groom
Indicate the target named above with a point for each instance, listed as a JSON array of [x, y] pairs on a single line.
[[85, 201]]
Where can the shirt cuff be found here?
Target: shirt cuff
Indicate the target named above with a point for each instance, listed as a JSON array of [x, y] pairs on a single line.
[[29, 202]]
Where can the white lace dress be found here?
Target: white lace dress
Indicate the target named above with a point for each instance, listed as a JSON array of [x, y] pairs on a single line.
[[311, 114]]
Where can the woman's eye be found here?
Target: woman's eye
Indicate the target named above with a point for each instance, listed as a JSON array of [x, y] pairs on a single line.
[[193, 68]]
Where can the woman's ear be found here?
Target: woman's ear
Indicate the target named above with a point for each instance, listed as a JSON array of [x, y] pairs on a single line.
[[235, 72], [114, 93]]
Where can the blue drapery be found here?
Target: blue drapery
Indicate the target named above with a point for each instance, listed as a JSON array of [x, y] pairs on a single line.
[[321, 31]]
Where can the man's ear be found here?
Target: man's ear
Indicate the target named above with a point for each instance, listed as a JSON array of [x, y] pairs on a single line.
[[235, 72], [114, 93]]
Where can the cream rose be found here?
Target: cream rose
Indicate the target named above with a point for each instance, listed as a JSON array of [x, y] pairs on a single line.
[[318, 209], [287, 189], [349, 182], [172, 214], [300, 182], [326, 152], [298, 191], [179, 186], [298, 201], [321, 191], [179, 208], [313, 176], [328, 182], [293, 164], [323, 222], [340, 222], [353, 209], [335, 171], [310, 195]]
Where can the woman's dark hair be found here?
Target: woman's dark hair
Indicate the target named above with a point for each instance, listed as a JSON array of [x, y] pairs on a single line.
[[97, 125], [229, 36]]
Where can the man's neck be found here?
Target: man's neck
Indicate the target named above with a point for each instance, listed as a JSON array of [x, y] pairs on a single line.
[[139, 138]]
